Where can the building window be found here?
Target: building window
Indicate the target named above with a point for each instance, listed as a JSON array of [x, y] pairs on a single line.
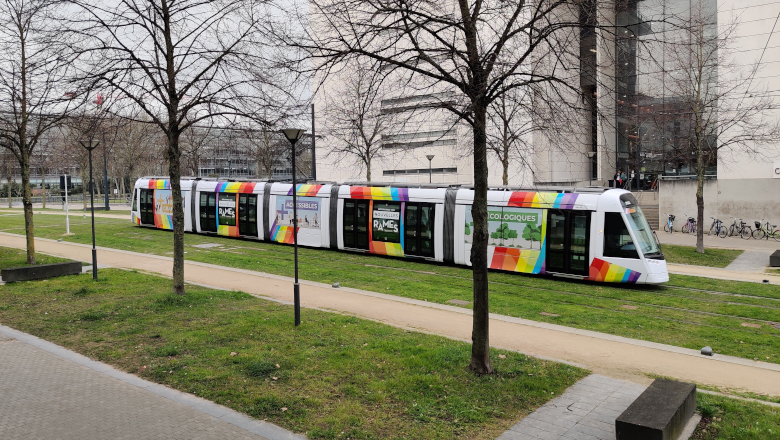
[[420, 171]]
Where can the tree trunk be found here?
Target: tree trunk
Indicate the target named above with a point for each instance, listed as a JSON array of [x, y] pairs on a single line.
[[368, 170], [505, 164], [700, 201], [10, 195], [480, 345], [29, 228], [43, 188], [174, 170]]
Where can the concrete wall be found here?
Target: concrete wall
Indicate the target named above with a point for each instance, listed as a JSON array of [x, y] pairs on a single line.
[[749, 199]]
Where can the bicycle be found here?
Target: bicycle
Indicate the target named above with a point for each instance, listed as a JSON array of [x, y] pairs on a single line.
[[717, 226], [766, 230], [739, 228], [690, 226], [669, 226]]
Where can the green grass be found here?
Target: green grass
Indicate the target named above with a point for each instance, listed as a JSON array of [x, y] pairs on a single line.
[[18, 258], [333, 377], [710, 258], [671, 314], [727, 418]]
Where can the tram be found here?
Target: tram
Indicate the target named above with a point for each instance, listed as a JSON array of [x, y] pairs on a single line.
[[592, 233]]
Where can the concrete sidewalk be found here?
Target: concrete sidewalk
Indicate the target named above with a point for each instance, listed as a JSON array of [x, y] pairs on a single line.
[[610, 355], [73, 213], [711, 241], [48, 392]]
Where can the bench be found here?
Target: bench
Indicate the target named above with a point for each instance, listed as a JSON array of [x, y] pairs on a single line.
[[660, 413], [40, 271], [774, 259]]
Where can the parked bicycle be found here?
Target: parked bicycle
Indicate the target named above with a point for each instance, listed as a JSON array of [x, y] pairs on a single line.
[[690, 226], [739, 228], [669, 226], [766, 230], [718, 228]]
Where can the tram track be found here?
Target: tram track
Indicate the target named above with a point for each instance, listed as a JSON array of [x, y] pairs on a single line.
[[771, 323]]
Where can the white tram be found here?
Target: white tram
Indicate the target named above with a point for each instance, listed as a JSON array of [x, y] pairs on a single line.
[[597, 234]]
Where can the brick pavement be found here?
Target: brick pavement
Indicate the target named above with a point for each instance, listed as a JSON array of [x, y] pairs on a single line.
[[586, 411], [47, 392]]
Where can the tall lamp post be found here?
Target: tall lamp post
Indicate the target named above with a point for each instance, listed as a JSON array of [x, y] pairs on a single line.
[[294, 135], [430, 170], [591, 155], [89, 146]]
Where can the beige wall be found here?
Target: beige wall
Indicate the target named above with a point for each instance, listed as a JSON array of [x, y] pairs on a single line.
[[749, 199]]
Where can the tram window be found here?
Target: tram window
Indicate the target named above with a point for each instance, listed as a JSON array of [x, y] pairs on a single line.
[[411, 221], [135, 200], [361, 218], [418, 229], [147, 206], [349, 223], [426, 230], [227, 209], [387, 222], [617, 240], [208, 214], [579, 239]]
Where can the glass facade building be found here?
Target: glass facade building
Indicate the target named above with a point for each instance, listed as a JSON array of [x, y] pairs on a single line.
[[656, 46]]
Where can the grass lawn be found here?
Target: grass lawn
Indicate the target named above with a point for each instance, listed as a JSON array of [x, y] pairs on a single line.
[[680, 313], [18, 258], [735, 419], [334, 377], [710, 258]]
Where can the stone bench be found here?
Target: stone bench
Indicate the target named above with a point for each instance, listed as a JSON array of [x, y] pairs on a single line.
[[659, 413], [774, 259], [40, 271]]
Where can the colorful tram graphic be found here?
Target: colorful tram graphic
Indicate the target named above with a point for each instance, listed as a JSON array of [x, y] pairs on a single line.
[[595, 234]]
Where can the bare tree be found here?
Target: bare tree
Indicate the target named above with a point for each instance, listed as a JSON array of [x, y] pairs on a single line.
[[266, 147], [510, 125], [480, 49], [356, 121], [35, 92], [180, 63], [718, 105]]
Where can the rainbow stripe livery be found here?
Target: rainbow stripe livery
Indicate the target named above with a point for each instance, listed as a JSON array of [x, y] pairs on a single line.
[[543, 200], [227, 231], [159, 184], [517, 260], [162, 221], [390, 249], [136, 219], [603, 271], [282, 234], [235, 187], [306, 190], [386, 194]]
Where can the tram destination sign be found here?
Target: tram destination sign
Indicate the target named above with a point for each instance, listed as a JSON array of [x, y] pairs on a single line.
[[513, 217]]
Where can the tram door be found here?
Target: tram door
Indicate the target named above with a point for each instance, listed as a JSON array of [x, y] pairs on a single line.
[[356, 224], [208, 212], [247, 214], [418, 229], [147, 206], [567, 242]]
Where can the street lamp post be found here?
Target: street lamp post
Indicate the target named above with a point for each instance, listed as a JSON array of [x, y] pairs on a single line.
[[430, 170], [89, 146], [591, 155], [294, 135]]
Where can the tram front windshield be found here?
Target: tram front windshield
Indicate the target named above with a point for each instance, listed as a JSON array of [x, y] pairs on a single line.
[[638, 224]]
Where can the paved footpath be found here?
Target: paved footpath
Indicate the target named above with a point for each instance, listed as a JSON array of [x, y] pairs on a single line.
[[586, 411], [605, 354], [48, 392]]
